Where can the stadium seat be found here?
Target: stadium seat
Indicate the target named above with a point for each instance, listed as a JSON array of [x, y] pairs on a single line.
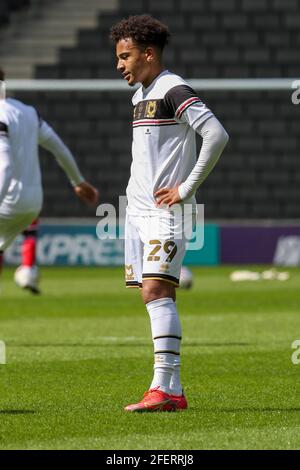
[[204, 45], [7, 7]]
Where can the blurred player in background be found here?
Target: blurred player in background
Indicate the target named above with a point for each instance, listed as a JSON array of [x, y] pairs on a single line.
[[27, 275], [164, 172], [21, 194]]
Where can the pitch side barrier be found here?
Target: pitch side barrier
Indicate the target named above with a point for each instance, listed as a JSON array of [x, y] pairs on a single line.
[[276, 242], [75, 243], [222, 84]]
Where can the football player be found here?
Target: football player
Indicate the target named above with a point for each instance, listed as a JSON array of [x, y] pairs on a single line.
[[22, 131], [167, 114]]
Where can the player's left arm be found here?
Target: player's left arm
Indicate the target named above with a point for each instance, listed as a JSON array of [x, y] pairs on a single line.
[[190, 109], [215, 139], [49, 140], [5, 161]]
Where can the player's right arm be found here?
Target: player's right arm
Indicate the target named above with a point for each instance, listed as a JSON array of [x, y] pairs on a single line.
[[189, 109], [49, 140], [5, 161], [214, 140]]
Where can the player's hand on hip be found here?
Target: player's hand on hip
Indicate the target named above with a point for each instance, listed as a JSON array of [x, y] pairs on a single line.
[[167, 196], [87, 193]]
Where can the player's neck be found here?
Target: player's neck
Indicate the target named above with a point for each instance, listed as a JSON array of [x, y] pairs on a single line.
[[150, 79]]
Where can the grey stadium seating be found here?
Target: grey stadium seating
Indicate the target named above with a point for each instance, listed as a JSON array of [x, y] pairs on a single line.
[[9, 6], [258, 175]]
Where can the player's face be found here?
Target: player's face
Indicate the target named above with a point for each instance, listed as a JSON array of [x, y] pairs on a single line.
[[133, 62]]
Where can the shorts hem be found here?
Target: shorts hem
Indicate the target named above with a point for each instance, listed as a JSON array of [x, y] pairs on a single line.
[[161, 277], [133, 285]]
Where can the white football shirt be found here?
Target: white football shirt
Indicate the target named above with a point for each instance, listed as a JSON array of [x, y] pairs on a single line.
[[21, 124], [21, 132], [166, 115]]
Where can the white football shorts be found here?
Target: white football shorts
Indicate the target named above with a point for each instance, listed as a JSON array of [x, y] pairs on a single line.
[[12, 225], [155, 246]]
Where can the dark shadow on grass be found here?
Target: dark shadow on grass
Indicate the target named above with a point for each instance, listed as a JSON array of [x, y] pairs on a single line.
[[252, 410], [217, 345], [61, 345], [127, 344], [17, 412]]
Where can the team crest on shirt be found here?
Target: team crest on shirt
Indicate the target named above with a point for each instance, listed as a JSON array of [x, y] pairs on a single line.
[[145, 110], [164, 268], [151, 109], [129, 272], [154, 113]]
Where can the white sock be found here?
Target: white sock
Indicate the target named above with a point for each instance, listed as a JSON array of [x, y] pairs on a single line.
[[163, 371], [175, 384], [166, 334]]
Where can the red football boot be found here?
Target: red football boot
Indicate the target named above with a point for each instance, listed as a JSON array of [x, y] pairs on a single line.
[[154, 400], [180, 400]]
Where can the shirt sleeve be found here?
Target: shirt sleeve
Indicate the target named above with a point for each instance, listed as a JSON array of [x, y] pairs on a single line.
[[5, 161], [186, 106], [215, 139], [49, 140]]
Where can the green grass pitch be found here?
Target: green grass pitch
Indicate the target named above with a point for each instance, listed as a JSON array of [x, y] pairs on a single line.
[[81, 351]]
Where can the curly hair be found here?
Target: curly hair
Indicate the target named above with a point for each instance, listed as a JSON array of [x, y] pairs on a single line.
[[144, 30], [2, 75]]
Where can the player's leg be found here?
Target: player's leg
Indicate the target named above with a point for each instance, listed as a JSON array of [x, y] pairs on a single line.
[[134, 250], [11, 225], [159, 298], [161, 273], [27, 275], [29, 244], [165, 329], [161, 268], [133, 255], [166, 335]]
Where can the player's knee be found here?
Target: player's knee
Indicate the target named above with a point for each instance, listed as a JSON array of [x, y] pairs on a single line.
[[153, 290]]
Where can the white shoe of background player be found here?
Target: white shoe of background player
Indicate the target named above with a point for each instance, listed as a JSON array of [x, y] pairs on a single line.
[[28, 278]]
